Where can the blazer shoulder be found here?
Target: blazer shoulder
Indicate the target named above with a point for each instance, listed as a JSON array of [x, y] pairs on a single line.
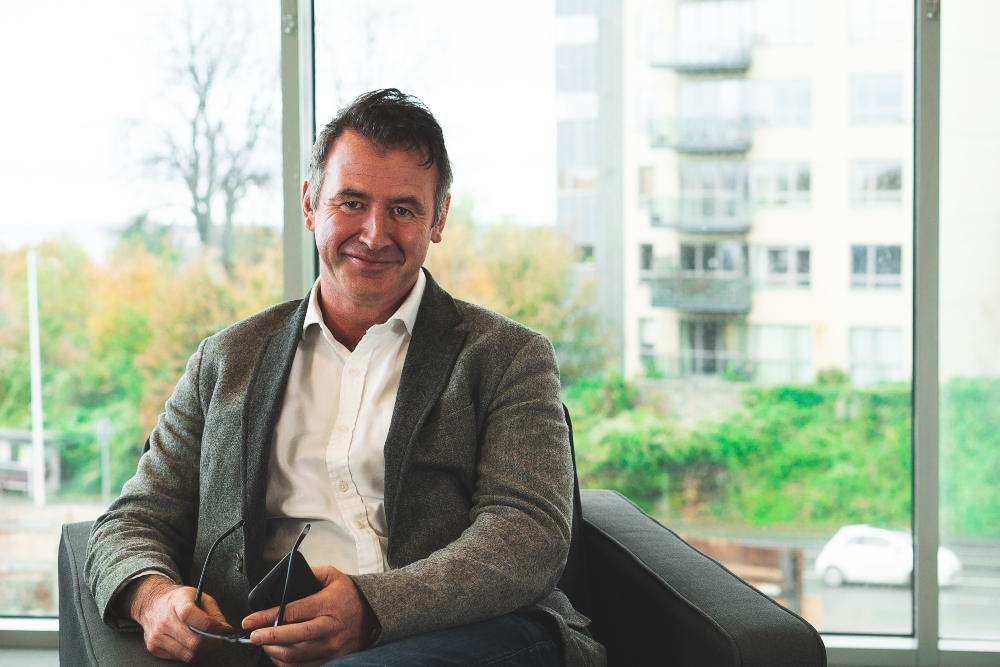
[[259, 326], [488, 326]]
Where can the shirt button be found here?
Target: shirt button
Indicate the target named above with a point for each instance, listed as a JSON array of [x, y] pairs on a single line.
[[342, 428], [359, 523], [342, 486], [354, 372]]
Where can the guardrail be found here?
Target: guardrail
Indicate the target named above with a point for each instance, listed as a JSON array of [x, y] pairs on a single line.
[[703, 135], [701, 293], [728, 215]]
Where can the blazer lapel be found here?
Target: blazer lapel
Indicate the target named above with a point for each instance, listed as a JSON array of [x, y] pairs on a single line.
[[261, 408], [434, 346]]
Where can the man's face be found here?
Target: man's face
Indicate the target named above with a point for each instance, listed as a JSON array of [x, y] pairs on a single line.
[[373, 223]]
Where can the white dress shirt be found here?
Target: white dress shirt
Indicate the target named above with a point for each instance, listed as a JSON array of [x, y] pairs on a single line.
[[326, 466]]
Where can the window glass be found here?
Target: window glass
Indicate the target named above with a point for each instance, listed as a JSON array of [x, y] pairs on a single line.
[[142, 172], [876, 99], [879, 19], [796, 396], [781, 354], [969, 324], [876, 182], [817, 298], [876, 267]]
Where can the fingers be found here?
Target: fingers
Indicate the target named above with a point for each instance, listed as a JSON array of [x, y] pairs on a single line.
[[165, 625], [211, 618], [302, 643], [294, 633]]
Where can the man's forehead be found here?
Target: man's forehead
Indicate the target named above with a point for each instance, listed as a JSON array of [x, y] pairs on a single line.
[[356, 141]]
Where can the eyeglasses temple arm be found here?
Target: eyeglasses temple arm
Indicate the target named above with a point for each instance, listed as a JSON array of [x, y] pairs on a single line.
[[288, 574], [204, 568]]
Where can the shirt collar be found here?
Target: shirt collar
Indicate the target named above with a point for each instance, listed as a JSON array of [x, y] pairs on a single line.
[[406, 313]]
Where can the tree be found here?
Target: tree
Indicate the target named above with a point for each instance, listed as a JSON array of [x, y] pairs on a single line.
[[211, 146], [527, 274]]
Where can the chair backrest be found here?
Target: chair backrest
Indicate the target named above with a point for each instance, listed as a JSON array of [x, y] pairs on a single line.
[[575, 580]]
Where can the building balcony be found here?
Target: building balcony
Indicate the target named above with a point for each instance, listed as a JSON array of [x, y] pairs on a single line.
[[698, 364], [699, 292], [703, 135], [703, 58], [701, 215]]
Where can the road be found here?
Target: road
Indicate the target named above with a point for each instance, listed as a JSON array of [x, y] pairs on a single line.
[[969, 610]]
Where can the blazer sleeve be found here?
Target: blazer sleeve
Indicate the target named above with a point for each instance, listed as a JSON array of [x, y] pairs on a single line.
[[512, 554], [152, 524]]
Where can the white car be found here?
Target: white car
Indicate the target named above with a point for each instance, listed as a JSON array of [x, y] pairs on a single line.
[[864, 555]]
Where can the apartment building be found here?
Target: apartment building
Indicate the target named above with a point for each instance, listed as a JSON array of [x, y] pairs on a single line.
[[763, 226]]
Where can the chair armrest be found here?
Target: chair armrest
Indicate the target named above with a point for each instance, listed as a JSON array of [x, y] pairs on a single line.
[[84, 639], [656, 599]]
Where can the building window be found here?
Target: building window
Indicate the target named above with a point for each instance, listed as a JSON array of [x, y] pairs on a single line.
[[783, 266], [713, 31], [723, 98], [703, 347], [646, 257], [579, 179], [876, 355], [780, 184], [876, 182], [726, 257], [781, 354], [876, 266], [879, 19], [585, 253], [647, 343], [877, 99]]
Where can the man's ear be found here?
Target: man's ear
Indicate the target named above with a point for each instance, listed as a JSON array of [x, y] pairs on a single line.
[[307, 210], [439, 227]]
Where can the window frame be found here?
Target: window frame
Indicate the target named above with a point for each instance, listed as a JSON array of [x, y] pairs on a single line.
[[924, 647]]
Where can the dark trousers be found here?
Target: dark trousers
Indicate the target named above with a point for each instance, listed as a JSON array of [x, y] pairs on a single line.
[[514, 640]]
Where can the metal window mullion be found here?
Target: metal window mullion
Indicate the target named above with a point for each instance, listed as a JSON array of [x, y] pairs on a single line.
[[297, 133], [927, 102]]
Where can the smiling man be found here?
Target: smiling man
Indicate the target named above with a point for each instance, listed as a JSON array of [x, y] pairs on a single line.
[[422, 438]]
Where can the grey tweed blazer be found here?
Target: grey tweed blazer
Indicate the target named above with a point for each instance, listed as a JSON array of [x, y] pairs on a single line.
[[478, 478]]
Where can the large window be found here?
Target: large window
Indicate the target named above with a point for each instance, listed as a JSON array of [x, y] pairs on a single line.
[[142, 169], [729, 219]]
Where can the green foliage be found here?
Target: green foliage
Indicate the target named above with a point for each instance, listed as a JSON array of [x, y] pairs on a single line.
[[970, 456], [115, 336], [527, 274], [794, 455]]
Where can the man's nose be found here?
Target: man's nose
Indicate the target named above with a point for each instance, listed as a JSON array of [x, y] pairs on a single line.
[[373, 230]]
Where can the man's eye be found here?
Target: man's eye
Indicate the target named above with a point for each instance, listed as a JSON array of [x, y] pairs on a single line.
[[400, 211], [352, 205]]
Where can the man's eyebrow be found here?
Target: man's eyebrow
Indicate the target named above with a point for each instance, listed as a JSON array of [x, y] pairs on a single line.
[[349, 193]]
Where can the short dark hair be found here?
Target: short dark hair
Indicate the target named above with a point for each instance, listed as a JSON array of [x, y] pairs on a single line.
[[391, 120]]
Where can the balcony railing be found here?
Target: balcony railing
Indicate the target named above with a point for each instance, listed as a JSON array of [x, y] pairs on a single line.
[[701, 292], [729, 215], [698, 363], [703, 135], [702, 58]]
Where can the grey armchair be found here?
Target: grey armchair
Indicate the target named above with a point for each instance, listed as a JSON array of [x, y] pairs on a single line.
[[653, 599]]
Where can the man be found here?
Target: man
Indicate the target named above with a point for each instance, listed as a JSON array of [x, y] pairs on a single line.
[[422, 437]]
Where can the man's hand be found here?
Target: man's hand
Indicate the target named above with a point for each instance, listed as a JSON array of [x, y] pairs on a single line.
[[165, 610], [316, 629]]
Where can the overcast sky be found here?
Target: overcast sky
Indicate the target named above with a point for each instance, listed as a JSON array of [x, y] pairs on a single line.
[[86, 91]]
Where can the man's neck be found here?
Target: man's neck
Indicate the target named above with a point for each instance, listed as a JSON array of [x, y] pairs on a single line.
[[348, 321]]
